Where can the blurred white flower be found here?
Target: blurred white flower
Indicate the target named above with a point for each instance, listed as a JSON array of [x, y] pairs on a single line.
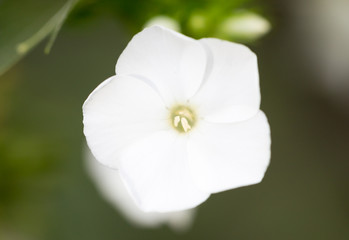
[[246, 25], [110, 186], [164, 21], [323, 28], [179, 120]]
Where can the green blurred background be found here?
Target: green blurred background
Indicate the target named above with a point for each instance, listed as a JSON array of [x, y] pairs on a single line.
[[45, 192]]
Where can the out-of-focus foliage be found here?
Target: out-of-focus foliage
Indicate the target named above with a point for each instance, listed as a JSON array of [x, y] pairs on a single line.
[[197, 18], [28, 166], [24, 23]]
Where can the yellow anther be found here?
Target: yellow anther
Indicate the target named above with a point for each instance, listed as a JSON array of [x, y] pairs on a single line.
[[182, 118]]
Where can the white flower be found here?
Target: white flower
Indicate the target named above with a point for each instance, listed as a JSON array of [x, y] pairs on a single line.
[[180, 119], [113, 190]]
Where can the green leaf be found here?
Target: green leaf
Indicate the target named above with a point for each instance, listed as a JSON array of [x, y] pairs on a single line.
[[25, 23]]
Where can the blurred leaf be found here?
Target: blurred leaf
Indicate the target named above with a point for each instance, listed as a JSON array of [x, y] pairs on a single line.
[[24, 23]]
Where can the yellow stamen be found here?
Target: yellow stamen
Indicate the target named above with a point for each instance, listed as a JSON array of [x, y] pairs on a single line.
[[182, 118]]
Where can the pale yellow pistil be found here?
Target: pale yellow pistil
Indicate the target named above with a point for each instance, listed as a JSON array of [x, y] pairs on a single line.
[[182, 118]]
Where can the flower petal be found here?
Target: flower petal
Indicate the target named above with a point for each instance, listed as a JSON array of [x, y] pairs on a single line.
[[230, 91], [114, 191], [156, 173], [119, 112], [174, 63], [230, 155]]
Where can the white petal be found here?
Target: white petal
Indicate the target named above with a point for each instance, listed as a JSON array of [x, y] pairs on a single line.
[[230, 155], [119, 112], [111, 187], [156, 173], [230, 91], [174, 63]]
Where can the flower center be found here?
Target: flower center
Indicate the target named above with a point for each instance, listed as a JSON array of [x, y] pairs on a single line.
[[182, 118]]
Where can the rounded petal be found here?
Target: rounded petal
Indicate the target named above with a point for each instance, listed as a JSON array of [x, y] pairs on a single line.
[[174, 63], [109, 184], [230, 155], [230, 90], [119, 112], [156, 173]]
